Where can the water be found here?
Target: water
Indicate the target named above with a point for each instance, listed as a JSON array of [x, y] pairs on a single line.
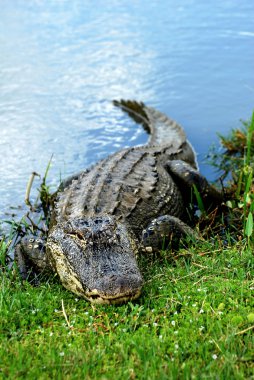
[[62, 63]]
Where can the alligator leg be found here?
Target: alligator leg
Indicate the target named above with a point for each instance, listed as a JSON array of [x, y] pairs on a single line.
[[187, 176], [20, 259], [164, 231], [30, 257]]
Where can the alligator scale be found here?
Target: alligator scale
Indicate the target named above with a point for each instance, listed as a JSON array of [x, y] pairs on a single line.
[[132, 201]]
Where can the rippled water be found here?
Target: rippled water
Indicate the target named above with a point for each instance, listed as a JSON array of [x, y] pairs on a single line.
[[62, 63]]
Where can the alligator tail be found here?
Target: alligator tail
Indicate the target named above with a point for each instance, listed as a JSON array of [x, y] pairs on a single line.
[[163, 130]]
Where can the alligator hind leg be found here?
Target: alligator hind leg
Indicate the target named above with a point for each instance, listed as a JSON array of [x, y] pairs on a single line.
[[164, 231], [187, 176], [30, 256]]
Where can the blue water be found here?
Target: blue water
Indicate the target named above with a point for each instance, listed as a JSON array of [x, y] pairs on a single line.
[[62, 63]]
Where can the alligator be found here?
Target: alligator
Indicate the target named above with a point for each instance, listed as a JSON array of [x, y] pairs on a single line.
[[133, 201]]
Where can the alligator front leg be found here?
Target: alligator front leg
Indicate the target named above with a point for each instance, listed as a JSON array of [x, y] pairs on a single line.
[[165, 231], [21, 262], [187, 176], [30, 256]]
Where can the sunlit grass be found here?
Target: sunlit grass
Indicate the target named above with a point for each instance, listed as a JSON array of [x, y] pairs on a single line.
[[194, 319]]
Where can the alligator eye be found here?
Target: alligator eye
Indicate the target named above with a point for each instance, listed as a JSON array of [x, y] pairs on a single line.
[[97, 221], [38, 240], [106, 220], [31, 240], [30, 246], [82, 222], [150, 231]]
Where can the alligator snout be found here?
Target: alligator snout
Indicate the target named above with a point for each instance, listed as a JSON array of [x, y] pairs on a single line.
[[114, 289]]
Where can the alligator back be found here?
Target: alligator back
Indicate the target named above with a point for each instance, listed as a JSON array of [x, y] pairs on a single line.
[[132, 184]]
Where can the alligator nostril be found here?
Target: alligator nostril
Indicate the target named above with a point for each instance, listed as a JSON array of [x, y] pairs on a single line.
[[113, 285], [94, 296]]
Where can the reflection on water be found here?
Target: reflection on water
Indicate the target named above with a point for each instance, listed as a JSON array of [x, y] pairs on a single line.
[[63, 62]]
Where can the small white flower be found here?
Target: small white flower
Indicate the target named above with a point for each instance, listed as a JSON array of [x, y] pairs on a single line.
[[74, 310], [173, 323], [190, 320], [194, 305], [56, 311], [214, 356], [160, 337], [220, 312], [61, 353], [199, 290], [76, 299], [155, 324], [124, 330], [176, 346], [201, 328], [175, 312], [201, 311], [50, 334], [86, 313], [176, 332], [115, 324]]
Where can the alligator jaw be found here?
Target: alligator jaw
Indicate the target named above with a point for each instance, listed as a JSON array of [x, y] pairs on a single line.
[[95, 297]]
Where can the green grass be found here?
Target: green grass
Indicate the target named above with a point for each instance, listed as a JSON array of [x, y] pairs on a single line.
[[194, 320]]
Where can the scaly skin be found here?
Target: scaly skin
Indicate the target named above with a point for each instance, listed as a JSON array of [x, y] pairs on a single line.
[[128, 202]]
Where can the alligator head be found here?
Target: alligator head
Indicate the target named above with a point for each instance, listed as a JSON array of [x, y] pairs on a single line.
[[95, 258]]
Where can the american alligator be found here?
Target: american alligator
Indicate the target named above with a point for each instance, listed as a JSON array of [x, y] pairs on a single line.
[[134, 200]]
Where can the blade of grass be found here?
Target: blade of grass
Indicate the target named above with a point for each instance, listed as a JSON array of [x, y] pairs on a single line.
[[199, 200], [249, 139]]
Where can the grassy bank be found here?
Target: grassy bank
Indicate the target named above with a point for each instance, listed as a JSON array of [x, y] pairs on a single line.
[[194, 320]]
